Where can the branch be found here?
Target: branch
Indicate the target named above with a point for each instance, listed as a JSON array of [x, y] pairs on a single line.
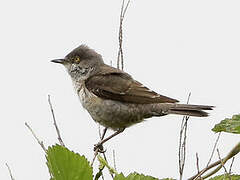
[[34, 135], [10, 172], [232, 153], [95, 155], [221, 161], [197, 162], [182, 143], [214, 147], [120, 34], [55, 122], [230, 169]]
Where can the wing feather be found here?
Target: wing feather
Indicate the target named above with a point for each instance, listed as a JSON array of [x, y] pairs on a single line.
[[118, 85]]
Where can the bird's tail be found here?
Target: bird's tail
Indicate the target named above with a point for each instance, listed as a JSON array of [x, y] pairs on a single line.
[[189, 110]]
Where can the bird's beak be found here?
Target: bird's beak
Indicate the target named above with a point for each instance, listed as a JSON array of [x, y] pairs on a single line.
[[61, 61]]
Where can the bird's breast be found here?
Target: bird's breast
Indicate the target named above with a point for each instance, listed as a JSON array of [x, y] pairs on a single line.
[[86, 98]]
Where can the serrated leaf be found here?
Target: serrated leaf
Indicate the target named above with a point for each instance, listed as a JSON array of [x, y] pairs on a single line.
[[226, 177], [229, 125], [134, 176], [64, 164], [119, 177]]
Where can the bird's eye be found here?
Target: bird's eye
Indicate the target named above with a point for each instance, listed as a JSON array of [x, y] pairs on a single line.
[[77, 59]]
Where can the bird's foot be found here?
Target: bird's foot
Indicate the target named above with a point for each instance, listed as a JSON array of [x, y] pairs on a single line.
[[99, 147]]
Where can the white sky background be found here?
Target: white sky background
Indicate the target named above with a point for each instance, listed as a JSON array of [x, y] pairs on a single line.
[[173, 47]]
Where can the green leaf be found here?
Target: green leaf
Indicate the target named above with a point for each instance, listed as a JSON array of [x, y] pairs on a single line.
[[104, 163], [226, 177], [229, 125], [120, 177], [134, 176], [64, 164]]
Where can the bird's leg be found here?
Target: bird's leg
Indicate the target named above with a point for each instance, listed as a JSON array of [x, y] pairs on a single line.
[[104, 132], [113, 135], [99, 145]]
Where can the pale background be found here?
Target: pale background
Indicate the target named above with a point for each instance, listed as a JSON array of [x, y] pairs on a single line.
[[173, 47]]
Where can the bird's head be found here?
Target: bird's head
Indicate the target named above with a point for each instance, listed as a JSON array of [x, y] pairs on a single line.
[[81, 63]]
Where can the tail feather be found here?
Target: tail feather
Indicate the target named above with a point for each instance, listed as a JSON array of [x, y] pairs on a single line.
[[190, 110], [189, 113]]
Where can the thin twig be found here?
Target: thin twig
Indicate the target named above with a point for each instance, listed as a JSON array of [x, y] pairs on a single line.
[[55, 122], [125, 10], [221, 161], [225, 169], [197, 162], [232, 153], [188, 99], [214, 147], [182, 143], [204, 170], [34, 135], [114, 160], [230, 169], [209, 161], [10, 172], [182, 146], [120, 34], [95, 155]]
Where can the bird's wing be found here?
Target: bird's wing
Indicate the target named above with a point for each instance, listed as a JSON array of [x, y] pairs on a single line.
[[121, 87]]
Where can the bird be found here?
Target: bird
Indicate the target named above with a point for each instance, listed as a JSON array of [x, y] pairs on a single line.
[[113, 98]]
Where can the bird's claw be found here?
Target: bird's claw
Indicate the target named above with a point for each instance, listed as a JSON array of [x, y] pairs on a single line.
[[99, 148]]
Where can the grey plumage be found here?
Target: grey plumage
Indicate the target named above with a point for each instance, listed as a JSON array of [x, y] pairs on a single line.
[[113, 98]]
